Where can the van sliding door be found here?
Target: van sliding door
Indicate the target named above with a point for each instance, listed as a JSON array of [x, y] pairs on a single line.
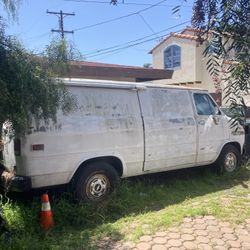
[[170, 129]]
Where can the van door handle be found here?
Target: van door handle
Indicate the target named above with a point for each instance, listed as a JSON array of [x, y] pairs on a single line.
[[201, 122]]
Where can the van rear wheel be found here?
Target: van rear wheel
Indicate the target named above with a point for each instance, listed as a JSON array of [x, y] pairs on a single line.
[[95, 182], [229, 159]]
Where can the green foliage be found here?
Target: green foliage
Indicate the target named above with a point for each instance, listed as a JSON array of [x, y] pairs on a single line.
[[57, 55], [28, 87], [226, 25], [11, 7]]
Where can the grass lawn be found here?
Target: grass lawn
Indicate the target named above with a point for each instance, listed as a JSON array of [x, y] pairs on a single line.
[[141, 205]]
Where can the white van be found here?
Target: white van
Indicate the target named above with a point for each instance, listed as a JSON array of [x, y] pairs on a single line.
[[121, 130]]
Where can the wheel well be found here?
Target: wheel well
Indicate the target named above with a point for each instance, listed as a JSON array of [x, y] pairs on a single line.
[[235, 144], [112, 160]]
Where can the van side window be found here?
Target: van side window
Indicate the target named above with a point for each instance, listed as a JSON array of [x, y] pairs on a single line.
[[204, 105]]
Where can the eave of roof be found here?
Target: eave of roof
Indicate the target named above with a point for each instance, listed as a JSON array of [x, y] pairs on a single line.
[[93, 69], [177, 35]]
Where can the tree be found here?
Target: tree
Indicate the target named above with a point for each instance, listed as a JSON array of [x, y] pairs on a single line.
[[29, 88], [147, 65], [11, 6], [226, 25]]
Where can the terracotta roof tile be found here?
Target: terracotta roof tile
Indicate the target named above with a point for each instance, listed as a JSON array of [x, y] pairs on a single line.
[[178, 35]]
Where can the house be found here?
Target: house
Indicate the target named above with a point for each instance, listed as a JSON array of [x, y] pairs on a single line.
[[182, 53], [115, 72]]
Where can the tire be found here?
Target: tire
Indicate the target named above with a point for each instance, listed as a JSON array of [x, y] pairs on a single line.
[[95, 182], [229, 160]]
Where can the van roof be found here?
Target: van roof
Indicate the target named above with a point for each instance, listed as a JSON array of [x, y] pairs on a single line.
[[121, 85]]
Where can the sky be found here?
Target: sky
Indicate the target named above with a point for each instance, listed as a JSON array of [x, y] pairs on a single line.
[[122, 34]]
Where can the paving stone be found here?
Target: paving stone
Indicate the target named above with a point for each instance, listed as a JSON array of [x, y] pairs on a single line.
[[211, 222], [224, 224], [229, 237], [174, 235], [217, 241], [122, 248], [146, 238], [201, 232], [161, 234], [213, 229], [204, 233], [174, 243], [160, 240], [240, 231], [199, 221], [186, 230], [240, 227], [215, 234], [244, 238], [186, 225], [189, 245], [233, 243], [187, 220], [202, 239], [245, 245], [176, 248], [227, 230], [159, 247], [200, 226], [187, 237], [247, 221], [220, 248], [143, 246], [174, 229], [204, 246]]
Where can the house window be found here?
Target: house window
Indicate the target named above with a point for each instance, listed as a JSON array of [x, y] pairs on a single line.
[[172, 57]]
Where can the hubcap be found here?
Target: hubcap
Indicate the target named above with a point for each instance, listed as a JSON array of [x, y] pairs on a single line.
[[97, 186], [230, 162]]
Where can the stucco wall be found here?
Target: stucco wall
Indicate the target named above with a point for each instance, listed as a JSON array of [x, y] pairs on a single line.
[[187, 69], [193, 64]]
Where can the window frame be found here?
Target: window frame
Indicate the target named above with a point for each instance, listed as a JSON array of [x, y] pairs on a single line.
[[171, 48], [211, 101]]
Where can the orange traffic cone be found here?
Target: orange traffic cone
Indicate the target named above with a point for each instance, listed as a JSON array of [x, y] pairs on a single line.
[[46, 216]]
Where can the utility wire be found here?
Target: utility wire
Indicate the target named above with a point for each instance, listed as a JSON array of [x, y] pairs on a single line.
[[147, 24], [130, 45], [136, 40], [119, 18], [131, 3], [38, 36]]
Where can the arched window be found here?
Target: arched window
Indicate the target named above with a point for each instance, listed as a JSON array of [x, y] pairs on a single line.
[[172, 57]]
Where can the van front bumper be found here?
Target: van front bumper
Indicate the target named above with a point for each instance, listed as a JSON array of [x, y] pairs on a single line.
[[16, 183]]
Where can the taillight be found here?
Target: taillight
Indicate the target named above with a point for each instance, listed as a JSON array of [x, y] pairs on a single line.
[[17, 147]]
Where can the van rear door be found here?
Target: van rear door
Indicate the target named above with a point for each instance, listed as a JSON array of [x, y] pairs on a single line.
[[170, 129]]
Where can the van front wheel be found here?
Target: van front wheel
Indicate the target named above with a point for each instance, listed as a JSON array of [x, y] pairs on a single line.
[[229, 159], [95, 182]]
